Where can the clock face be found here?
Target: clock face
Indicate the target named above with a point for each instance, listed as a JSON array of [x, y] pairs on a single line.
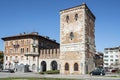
[[71, 35]]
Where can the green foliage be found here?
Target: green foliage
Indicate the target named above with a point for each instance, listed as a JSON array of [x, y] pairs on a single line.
[[1, 55], [118, 71], [51, 72]]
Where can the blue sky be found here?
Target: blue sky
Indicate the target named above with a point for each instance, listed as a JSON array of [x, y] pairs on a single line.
[[17, 16]]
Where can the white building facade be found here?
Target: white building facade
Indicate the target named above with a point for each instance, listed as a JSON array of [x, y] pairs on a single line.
[[111, 57]]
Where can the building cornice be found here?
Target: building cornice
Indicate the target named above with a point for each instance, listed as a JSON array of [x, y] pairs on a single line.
[[24, 36]]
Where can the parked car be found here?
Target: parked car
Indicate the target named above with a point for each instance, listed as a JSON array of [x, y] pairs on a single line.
[[97, 72], [113, 70], [8, 70]]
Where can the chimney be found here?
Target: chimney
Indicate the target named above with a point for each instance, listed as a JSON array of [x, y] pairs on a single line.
[[24, 32], [35, 33]]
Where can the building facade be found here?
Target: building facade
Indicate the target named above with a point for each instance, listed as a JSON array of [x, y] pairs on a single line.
[[98, 59], [38, 53], [111, 57], [77, 40], [31, 51]]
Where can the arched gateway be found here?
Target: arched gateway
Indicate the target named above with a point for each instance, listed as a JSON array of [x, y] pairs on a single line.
[[43, 66], [54, 65]]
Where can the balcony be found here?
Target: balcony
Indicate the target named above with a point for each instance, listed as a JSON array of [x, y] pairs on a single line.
[[31, 54], [34, 45], [16, 45]]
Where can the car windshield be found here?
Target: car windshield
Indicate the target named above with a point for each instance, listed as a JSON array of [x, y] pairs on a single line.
[[99, 69]]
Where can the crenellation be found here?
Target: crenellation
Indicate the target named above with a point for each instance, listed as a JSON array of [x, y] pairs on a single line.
[[49, 53]]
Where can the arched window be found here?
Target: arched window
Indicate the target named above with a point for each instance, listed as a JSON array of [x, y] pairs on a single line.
[[11, 66], [27, 50], [66, 66], [33, 67], [76, 17], [22, 58], [16, 57], [75, 67], [10, 57], [67, 18]]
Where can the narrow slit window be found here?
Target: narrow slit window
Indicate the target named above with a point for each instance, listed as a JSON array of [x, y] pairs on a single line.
[[67, 19], [76, 17], [71, 35]]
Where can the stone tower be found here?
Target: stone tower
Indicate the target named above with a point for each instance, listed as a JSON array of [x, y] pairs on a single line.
[[77, 40]]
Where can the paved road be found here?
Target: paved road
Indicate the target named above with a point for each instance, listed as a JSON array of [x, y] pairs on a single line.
[[86, 77]]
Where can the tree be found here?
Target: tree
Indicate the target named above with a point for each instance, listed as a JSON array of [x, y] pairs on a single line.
[[1, 57]]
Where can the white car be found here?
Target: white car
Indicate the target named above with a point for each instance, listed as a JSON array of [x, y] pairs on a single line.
[[8, 70]]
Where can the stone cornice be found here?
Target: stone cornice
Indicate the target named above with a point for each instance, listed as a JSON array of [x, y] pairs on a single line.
[[83, 6], [72, 9]]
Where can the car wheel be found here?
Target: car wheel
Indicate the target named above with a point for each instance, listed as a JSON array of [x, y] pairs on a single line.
[[91, 74], [101, 74]]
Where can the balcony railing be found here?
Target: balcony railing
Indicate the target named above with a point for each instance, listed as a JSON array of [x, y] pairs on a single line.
[[35, 45]]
